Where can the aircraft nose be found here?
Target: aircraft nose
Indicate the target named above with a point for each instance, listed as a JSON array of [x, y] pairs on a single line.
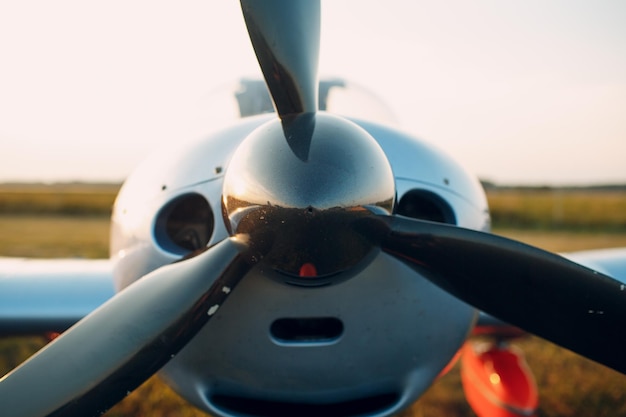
[[305, 198]]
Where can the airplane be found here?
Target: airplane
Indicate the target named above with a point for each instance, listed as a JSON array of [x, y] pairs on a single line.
[[349, 268]]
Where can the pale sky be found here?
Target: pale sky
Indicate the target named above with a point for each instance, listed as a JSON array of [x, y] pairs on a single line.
[[519, 92]]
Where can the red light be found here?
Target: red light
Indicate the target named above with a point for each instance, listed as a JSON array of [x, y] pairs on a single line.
[[308, 270]]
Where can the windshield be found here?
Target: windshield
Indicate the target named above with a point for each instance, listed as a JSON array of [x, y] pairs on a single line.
[[249, 97]]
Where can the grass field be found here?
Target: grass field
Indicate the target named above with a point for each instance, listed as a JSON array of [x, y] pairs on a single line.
[[569, 385], [555, 209]]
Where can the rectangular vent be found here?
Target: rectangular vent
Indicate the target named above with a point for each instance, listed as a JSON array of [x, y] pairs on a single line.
[[322, 330]]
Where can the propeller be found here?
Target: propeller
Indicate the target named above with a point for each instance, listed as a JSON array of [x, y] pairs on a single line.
[[286, 38], [309, 195], [105, 356], [538, 291]]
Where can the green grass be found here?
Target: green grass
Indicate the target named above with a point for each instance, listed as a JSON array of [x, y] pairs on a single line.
[[564, 240], [51, 236], [74, 199], [553, 209], [569, 385]]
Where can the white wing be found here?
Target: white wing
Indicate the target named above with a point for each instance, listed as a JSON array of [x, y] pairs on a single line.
[[611, 262], [49, 295]]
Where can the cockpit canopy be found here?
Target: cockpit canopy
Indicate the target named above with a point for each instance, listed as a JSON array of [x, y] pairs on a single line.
[[249, 97]]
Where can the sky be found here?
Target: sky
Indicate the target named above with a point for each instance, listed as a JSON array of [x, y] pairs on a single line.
[[530, 92]]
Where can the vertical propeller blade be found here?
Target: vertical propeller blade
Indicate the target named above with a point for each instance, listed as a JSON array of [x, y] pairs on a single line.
[[285, 35]]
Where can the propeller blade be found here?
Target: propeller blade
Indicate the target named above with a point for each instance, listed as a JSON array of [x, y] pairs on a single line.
[[285, 35], [538, 291], [112, 351]]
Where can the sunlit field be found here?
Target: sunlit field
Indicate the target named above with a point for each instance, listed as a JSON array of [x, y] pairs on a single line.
[[602, 209], [40, 221]]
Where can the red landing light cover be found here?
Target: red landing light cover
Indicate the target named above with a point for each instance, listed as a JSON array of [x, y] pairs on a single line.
[[497, 381]]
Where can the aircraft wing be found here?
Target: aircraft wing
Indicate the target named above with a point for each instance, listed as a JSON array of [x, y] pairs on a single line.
[[49, 295], [611, 262]]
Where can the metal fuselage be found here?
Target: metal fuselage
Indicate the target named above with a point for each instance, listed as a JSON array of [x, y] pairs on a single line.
[[368, 345]]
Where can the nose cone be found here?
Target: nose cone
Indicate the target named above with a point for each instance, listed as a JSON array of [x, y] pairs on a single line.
[[303, 182], [319, 161]]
